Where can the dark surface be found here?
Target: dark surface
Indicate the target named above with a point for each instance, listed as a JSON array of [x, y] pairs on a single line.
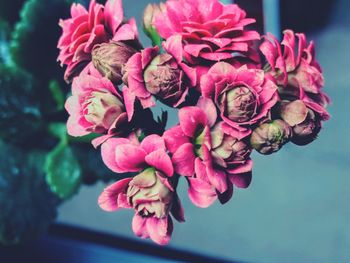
[[71, 244]]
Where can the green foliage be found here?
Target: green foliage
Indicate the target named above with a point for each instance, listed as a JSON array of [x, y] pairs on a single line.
[[9, 10], [27, 205], [35, 37], [63, 173], [57, 94], [20, 116]]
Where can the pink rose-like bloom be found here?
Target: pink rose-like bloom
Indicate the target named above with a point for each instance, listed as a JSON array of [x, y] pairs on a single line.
[[244, 96], [212, 157], [86, 28], [95, 106], [151, 193], [296, 70], [147, 73], [208, 30]]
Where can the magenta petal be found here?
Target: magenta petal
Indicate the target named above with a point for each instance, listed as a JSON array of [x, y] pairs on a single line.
[[208, 106], [160, 229], [241, 180], [161, 161], [114, 14], [152, 143], [183, 160], [108, 152], [174, 138], [74, 129], [130, 158], [201, 193], [139, 226], [129, 100], [192, 119], [108, 200]]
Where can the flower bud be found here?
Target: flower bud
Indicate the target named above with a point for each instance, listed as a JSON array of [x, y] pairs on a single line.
[[164, 78], [294, 112], [271, 136], [102, 109], [151, 11], [240, 104], [109, 59], [148, 195], [306, 132]]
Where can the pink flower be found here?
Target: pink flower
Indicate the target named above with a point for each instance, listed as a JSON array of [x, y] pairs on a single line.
[[208, 30], [86, 28], [212, 157], [244, 96], [95, 106], [151, 193], [147, 73], [296, 70]]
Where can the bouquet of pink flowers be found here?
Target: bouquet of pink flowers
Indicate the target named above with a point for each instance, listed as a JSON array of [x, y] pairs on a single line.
[[236, 92]]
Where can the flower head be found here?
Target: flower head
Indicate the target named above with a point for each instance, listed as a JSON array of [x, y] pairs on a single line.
[[95, 106], [296, 70], [151, 193], [244, 96], [212, 157], [209, 31], [86, 28], [269, 137], [110, 58]]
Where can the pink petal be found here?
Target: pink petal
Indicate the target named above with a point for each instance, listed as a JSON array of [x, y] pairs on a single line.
[[192, 120], [152, 143], [241, 180], [208, 106], [74, 129], [174, 138], [108, 200], [129, 100], [160, 230], [130, 158], [183, 160], [139, 226], [108, 152], [161, 161], [201, 193], [114, 14]]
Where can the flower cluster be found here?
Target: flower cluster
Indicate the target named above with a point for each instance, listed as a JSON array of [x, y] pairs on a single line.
[[236, 92]]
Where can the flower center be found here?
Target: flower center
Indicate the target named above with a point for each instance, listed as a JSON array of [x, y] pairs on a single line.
[[240, 105]]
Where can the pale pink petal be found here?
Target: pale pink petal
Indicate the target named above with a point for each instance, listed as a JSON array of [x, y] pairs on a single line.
[[208, 106], [192, 120], [174, 138], [130, 158], [160, 230], [108, 152], [160, 160], [108, 200], [201, 193], [114, 14], [139, 226], [183, 160], [152, 143]]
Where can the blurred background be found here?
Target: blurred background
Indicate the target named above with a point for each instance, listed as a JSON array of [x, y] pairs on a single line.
[[296, 209]]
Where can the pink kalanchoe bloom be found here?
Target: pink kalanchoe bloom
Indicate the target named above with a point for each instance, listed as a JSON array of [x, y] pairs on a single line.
[[86, 28], [95, 106], [244, 96], [149, 73], [208, 30], [296, 70], [151, 193], [212, 156]]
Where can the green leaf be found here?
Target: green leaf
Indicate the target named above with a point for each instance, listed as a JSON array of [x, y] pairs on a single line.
[[20, 117], [154, 36], [35, 37], [27, 205], [57, 94], [9, 10], [63, 172]]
